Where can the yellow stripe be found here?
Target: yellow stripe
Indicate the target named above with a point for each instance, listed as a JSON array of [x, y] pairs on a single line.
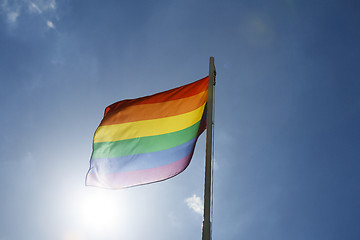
[[146, 128]]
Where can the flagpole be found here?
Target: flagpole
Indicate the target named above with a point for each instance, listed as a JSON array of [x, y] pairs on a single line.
[[206, 231]]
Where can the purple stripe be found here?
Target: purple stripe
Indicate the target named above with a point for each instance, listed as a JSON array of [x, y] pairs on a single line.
[[139, 177]]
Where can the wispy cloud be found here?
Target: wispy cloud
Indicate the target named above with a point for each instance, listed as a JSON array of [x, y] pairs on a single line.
[[195, 203], [14, 9], [12, 16], [33, 8], [11, 12], [52, 4], [41, 6], [50, 24]]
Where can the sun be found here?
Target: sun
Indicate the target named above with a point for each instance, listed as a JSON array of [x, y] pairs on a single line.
[[98, 212]]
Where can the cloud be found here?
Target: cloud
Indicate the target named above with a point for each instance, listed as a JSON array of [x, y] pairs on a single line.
[[195, 203], [52, 4], [12, 16], [14, 9], [215, 165], [11, 12], [41, 6], [33, 8], [50, 24]]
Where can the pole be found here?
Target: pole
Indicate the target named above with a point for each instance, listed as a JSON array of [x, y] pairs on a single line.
[[206, 231]]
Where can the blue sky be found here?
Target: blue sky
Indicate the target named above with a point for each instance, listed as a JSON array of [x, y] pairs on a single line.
[[286, 122]]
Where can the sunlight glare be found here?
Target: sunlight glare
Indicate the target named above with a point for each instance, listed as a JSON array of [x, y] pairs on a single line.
[[98, 212]]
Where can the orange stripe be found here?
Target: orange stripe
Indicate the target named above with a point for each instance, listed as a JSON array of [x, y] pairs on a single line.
[[155, 110], [188, 90]]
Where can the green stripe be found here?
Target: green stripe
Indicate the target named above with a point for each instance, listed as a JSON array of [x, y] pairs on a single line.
[[144, 144]]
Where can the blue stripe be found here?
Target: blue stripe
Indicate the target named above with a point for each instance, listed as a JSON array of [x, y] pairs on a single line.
[[143, 160]]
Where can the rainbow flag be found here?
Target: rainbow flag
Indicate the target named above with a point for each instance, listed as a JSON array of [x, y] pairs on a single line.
[[148, 139]]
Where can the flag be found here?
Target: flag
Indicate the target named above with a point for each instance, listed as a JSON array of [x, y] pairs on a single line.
[[148, 139]]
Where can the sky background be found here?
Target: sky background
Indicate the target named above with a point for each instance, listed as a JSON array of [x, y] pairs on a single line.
[[287, 135]]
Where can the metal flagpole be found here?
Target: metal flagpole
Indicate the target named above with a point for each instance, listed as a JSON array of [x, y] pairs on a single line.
[[206, 231]]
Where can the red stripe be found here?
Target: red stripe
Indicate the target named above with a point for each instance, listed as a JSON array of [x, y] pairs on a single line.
[[142, 112], [188, 90]]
